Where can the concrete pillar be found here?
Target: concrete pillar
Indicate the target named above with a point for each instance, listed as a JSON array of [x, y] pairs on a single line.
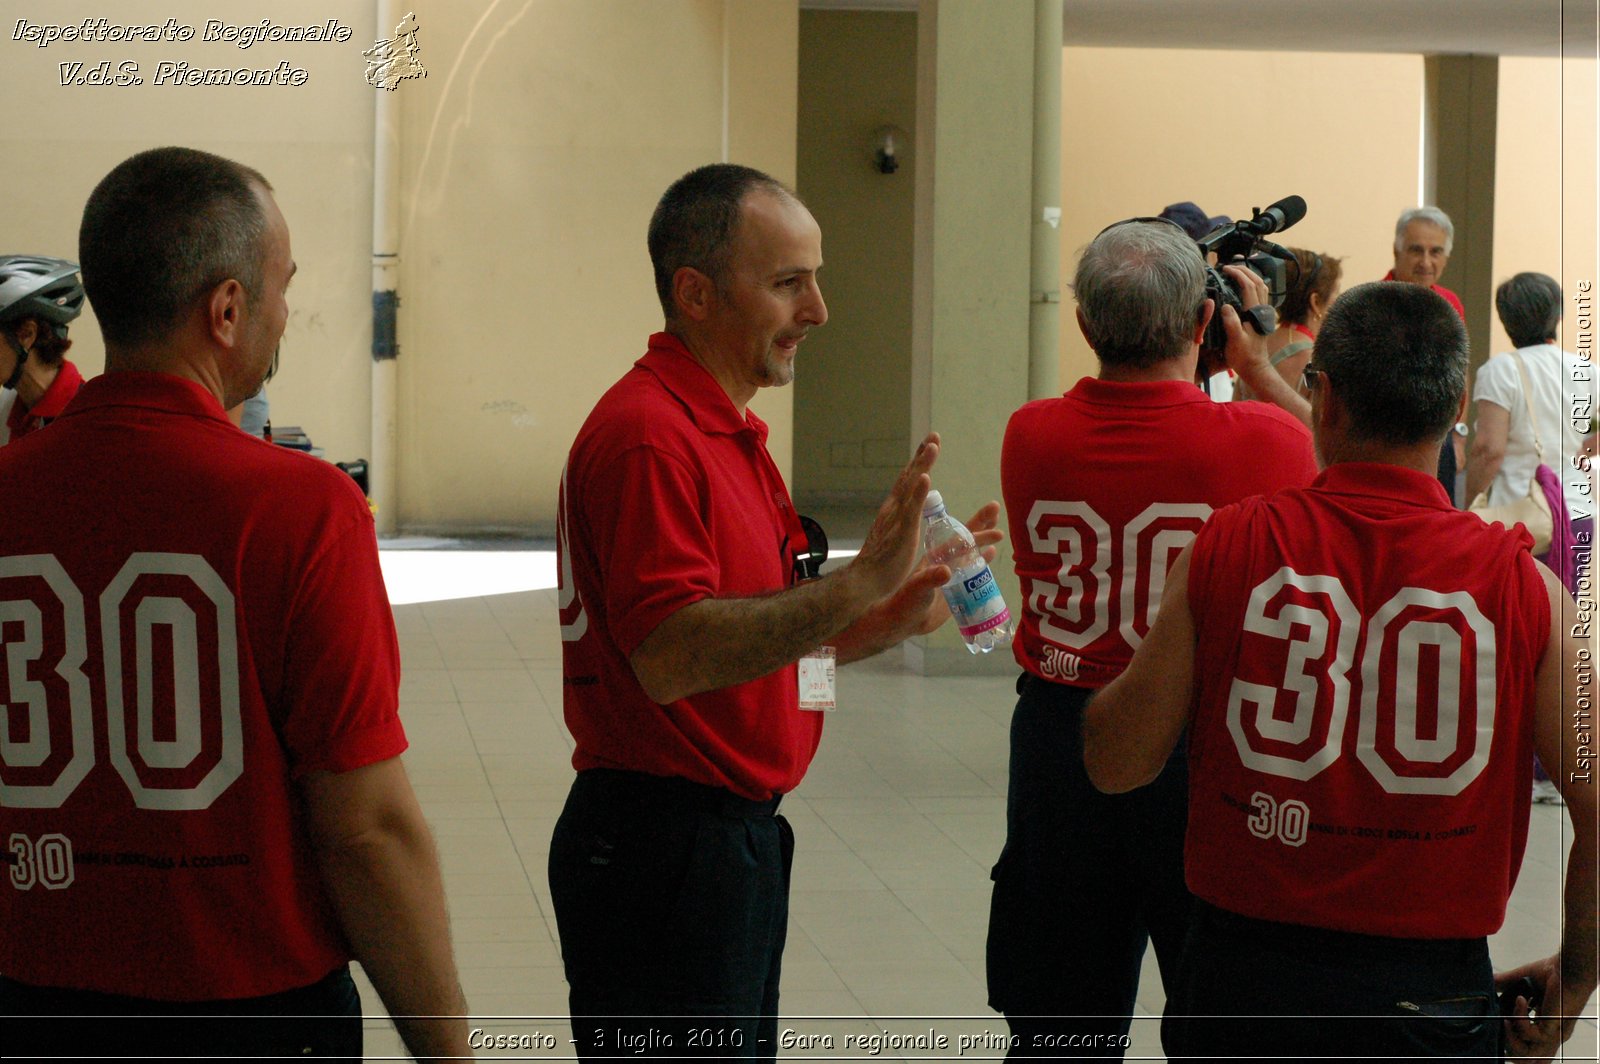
[[1044, 356], [383, 469], [971, 276], [1459, 128]]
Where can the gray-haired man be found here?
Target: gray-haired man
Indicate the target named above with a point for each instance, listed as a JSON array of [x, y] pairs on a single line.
[[1423, 238]]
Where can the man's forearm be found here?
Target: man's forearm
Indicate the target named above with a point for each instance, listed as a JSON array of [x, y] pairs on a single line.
[[916, 609], [1482, 468], [716, 643], [1578, 951], [872, 633], [388, 892], [1267, 386]]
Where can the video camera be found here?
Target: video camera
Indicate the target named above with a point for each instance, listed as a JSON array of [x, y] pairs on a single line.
[[1247, 241]]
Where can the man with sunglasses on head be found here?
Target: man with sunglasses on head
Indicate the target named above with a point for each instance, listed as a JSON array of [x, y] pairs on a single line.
[[1103, 486], [1363, 674], [686, 611]]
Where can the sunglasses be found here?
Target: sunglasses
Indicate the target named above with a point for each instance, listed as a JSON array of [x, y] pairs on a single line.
[[1308, 377], [808, 565]]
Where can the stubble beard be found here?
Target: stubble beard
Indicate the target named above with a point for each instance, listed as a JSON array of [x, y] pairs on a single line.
[[776, 370]]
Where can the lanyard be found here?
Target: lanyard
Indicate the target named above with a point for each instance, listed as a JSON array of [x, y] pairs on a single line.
[[795, 545]]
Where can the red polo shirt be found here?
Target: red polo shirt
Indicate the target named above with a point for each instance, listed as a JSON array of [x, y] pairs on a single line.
[[196, 624], [1449, 296], [50, 404], [1104, 486], [669, 497]]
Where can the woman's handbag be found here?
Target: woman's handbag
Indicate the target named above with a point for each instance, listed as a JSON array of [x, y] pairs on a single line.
[[1532, 511]]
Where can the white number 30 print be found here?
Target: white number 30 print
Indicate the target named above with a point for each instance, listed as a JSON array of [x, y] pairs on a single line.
[[1077, 607], [43, 631], [1419, 639]]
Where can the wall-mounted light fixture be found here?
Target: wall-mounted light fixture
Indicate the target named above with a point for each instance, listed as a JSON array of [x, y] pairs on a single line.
[[890, 146]]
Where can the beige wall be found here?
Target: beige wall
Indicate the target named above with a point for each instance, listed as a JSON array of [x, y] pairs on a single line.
[[1545, 194], [1145, 128], [852, 396], [533, 155], [313, 142], [536, 147]]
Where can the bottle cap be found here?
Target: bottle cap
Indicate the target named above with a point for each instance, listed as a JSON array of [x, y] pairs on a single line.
[[933, 504]]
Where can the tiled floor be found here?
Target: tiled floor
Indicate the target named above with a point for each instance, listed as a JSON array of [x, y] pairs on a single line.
[[897, 824]]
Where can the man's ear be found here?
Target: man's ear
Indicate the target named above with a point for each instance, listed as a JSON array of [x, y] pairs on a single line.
[[694, 293], [225, 312], [1332, 415], [1207, 309], [1083, 325]]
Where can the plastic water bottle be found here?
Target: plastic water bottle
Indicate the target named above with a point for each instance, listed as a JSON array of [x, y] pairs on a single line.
[[974, 597]]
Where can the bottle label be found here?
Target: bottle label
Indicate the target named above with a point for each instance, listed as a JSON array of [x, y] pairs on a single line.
[[970, 631], [975, 601]]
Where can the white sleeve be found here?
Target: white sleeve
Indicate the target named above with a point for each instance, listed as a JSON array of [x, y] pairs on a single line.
[[1498, 383]]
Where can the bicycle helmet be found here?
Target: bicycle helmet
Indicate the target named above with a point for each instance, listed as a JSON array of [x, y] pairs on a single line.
[[32, 286]]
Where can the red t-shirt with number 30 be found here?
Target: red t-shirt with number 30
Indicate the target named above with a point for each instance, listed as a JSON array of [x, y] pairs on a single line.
[[190, 621], [1104, 487], [1360, 752]]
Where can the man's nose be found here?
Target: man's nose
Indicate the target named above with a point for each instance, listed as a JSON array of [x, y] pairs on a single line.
[[816, 310]]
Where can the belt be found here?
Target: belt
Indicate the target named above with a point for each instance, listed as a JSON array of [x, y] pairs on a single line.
[[1324, 941], [621, 786]]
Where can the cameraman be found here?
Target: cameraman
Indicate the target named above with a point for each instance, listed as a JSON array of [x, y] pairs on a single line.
[[1103, 486]]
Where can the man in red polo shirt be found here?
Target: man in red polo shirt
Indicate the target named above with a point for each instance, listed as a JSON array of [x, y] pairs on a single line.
[[683, 622], [1423, 238], [1103, 486], [1364, 673], [204, 813], [38, 297]]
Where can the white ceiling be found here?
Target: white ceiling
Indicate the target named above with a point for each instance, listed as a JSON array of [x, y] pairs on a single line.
[[1449, 27]]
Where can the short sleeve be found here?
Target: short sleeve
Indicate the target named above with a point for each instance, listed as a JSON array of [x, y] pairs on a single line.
[[342, 665], [1498, 383], [652, 540]]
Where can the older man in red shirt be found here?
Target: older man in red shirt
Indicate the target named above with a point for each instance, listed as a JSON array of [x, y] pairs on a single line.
[[1423, 238]]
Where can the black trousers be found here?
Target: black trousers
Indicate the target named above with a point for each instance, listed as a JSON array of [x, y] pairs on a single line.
[[1250, 988], [672, 904], [1084, 882], [321, 1021]]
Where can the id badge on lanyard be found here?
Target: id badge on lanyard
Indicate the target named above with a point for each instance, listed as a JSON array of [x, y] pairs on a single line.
[[806, 546], [817, 690]]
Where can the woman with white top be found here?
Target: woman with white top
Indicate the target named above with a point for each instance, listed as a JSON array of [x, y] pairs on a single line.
[[1562, 395], [1561, 390]]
